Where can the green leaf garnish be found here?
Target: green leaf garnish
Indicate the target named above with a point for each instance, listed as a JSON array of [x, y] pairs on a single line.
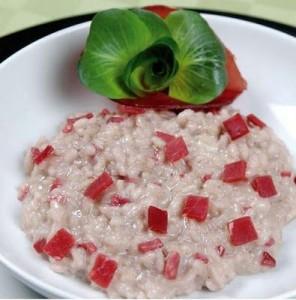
[[202, 72], [133, 52], [122, 51]]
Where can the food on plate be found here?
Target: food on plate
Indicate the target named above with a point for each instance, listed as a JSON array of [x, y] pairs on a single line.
[[152, 204], [159, 58]]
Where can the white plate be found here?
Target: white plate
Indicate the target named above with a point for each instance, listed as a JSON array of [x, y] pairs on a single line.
[[39, 88]]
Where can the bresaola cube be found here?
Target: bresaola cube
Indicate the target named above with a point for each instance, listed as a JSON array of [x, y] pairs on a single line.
[[171, 265], [103, 271], [234, 172], [196, 207], [264, 186], [60, 245], [242, 231], [157, 219], [236, 126], [150, 245], [175, 150]]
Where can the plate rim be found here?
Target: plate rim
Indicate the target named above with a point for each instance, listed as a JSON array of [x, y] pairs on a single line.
[[34, 282]]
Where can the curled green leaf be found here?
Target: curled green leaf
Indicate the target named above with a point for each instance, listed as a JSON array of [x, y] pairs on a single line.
[[128, 53], [202, 73]]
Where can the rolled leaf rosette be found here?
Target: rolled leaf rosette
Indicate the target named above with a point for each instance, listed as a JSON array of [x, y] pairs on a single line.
[[135, 56]]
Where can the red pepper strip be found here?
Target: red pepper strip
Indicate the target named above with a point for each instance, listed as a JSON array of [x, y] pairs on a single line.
[[103, 271]]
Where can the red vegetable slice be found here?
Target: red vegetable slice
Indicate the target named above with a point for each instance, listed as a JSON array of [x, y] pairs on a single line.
[[221, 250], [59, 245], [39, 246], [161, 10], [286, 174], [165, 136], [175, 150], [115, 119], [157, 219], [236, 126], [39, 156], [97, 187], [70, 122], [150, 245], [130, 110], [89, 247], [201, 257], [171, 265], [267, 260], [235, 171], [56, 183], [116, 200], [196, 207], [252, 120], [242, 231], [264, 186], [103, 271]]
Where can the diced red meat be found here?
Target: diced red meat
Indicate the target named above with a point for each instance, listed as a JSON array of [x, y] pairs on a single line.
[[56, 183], [116, 119], [150, 245], [130, 110], [206, 177], [270, 242], [196, 207], [165, 136], [175, 150], [286, 174], [235, 172], [60, 245], [104, 112], [157, 219], [23, 192], [161, 10], [97, 187], [171, 265], [39, 245], [201, 257], [242, 231], [117, 200], [252, 121], [71, 121], [103, 271], [236, 126], [267, 260], [264, 186], [221, 250], [39, 156], [89, 247]]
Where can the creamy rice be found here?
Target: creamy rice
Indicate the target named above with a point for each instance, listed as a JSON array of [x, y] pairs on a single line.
[[133, 155]]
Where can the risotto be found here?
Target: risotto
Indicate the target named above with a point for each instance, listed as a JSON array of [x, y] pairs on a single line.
[[147, 204]]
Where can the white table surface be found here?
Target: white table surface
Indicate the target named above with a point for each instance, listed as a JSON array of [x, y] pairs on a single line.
[[12, 288]]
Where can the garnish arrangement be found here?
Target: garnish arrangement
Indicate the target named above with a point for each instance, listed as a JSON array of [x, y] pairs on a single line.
[[158, 57]]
